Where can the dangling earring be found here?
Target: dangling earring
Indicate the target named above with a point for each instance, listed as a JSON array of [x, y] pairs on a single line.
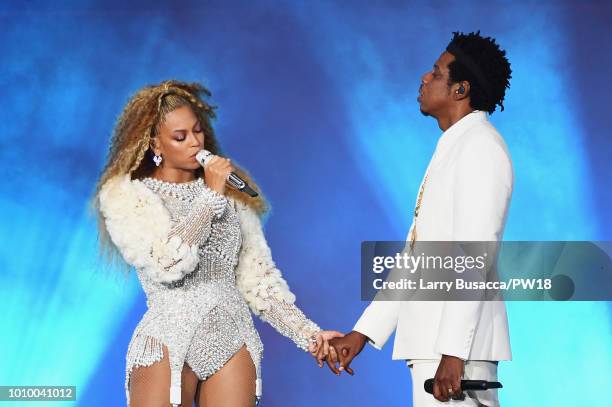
[[157, 159]]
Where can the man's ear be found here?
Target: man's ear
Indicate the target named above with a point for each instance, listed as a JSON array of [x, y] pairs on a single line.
[[461, 90]]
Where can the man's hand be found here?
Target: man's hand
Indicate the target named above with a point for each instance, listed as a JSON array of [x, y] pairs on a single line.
[[346, 348], [447, 382]]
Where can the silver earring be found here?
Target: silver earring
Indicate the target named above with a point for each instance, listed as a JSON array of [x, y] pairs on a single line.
[[157, 159]]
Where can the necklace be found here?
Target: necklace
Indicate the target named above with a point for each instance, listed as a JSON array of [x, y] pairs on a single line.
[[417, 208], [186, 191], [413, 233]]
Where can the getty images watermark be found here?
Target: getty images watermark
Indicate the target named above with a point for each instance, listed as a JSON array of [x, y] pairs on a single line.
[[489, 271]]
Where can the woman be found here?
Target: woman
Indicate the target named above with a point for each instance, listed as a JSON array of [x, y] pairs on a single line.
[[199, 253]]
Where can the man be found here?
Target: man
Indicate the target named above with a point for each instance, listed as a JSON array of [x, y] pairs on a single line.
[[464, 196]]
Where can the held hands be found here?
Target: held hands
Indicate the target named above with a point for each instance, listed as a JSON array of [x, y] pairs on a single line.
[[342, 349], [216, 172], [322, 344]]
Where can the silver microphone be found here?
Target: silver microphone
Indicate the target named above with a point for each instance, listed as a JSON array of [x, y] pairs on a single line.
[[233, 180]]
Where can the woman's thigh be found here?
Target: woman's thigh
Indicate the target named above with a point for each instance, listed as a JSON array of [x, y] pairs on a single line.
[[150, 385], [189, 385], [232, 386]]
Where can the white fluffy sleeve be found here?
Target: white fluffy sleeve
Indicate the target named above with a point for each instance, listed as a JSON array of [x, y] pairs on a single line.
[[139, 225], [263, 286]]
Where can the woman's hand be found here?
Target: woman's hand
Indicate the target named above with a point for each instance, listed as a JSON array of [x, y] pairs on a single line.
[[216, 172], [321, 349]]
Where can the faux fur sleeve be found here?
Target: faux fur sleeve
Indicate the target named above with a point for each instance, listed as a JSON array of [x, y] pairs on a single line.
[[256, 273], [139, 225], [263, 286]]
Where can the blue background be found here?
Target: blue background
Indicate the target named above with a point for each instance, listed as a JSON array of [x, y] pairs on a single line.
[[317, 100]]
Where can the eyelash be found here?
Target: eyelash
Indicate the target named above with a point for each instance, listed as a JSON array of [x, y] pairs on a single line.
[[183, 138]]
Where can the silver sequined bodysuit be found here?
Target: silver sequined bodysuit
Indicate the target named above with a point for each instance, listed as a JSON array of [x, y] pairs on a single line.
[[203, 319]]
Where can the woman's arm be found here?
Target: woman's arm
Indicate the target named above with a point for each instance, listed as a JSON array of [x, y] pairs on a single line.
[[179, 252], [140, 226], [263, 286]]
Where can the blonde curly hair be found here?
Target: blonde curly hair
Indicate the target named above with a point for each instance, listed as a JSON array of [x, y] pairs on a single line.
[[130, 147]]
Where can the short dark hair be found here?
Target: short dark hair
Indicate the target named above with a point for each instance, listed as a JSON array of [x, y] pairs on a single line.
[[480, 61]]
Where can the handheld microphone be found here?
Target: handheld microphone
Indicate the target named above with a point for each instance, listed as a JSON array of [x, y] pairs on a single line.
[[233, 180], [467, 385]]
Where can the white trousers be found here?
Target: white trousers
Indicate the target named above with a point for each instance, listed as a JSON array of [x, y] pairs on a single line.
[[422, 370]]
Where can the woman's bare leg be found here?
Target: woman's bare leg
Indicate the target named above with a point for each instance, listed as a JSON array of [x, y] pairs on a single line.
[[150, 385], [189, 384], [232, 386]]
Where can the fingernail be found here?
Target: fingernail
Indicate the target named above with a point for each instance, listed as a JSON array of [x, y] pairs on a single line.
[[341, 368]]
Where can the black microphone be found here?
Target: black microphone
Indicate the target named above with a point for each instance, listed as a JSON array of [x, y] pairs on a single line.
[[467, 385], [233, 180]]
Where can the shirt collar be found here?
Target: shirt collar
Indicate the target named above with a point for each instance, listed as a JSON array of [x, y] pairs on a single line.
[[461, 125]]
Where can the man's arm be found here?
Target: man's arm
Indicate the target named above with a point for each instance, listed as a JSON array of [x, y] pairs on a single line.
[[378, 321], [375, 326], [483, 187]]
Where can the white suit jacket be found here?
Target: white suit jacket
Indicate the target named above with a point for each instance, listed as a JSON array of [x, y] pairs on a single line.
[[466, 198]]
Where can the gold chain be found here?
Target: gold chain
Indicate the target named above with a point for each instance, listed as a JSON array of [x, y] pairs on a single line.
[[413, 234]]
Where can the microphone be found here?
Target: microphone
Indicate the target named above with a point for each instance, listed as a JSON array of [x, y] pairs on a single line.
[[467, 385], [233, 180]]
